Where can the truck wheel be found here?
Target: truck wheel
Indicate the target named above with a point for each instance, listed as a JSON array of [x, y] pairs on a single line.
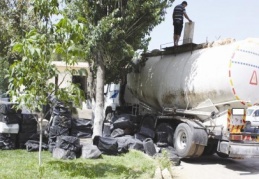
[[183, 141], [168, 129], [199, 151]]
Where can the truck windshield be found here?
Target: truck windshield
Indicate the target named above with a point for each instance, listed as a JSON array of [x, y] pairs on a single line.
[[249, 112]]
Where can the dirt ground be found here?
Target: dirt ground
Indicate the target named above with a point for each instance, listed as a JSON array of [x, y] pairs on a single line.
[[214, 167]]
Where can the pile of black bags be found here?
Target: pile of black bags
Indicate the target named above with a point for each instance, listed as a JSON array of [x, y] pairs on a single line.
[[28, 129], [60, 124], [9, 125]]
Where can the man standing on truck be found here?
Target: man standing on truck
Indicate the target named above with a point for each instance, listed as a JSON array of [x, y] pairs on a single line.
[[179, 12]]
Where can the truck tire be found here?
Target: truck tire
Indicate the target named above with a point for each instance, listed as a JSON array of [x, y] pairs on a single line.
[[199, 150], [183, 141], [168, 129]]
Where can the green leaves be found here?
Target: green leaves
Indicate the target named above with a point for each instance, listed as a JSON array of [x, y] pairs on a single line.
[[72, 34], [117, 29], [30, 76]]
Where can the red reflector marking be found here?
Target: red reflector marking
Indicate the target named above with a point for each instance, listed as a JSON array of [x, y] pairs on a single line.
[[233, 90], [247, 137], [236, 137]]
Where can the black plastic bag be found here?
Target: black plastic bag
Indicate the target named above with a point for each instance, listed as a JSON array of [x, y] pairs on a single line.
[[59, 153], [124, 121], [28, 128], [10, 118], [85, 133], [33, 145], [81, 128], [7, 141], [60, 109], [24, 137], [117, 132], [90, 151], [148, 125], [62, 120], [29, 119], [129, 142], [106, 130], [149, 147], [68, 143], [106, 145], [81, 123], [56, 131], [140, 137]]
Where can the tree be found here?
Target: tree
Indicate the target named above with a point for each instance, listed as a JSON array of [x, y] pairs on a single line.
[[29, 75], [117, 28], [14, 21]]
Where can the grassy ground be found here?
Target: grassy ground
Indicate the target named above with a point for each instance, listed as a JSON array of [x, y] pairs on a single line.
[[22, 164]]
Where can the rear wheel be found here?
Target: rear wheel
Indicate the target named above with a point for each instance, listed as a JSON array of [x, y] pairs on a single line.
[[199, 150], [183, 141]]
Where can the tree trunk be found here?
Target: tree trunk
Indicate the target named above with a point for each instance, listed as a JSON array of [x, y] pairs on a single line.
[[40, 143], [98, 109]]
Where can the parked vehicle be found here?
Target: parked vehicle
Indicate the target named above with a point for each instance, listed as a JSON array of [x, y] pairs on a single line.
[[201, 92], [252, 116]]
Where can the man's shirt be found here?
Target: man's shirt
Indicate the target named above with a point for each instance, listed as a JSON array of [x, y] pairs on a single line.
[[178, 13]]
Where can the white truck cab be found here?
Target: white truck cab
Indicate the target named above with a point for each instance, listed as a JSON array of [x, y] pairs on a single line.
[[252, 116], [111, 96], [115, 96]]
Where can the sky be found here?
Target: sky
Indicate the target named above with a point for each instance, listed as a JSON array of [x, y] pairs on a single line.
[[214, 20]]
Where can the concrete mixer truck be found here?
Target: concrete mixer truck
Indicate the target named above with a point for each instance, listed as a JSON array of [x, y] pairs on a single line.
[[200, 92]]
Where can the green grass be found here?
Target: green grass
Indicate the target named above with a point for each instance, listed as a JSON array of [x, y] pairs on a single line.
[[22, 164]]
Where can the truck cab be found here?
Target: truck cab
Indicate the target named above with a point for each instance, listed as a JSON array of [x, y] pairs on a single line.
[[252, 116]]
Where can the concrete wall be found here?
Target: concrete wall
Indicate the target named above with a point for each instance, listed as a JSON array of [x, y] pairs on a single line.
[[65, 76]]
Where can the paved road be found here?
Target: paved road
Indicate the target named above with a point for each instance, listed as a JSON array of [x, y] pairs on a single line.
[[214, 167]]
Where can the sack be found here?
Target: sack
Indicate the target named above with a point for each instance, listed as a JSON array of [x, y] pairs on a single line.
[[7, 141], [63, 121], [68, 143], [63, 154], [28, 128], [148, 126], [29, 119], [24, 137], [90, 151], [106, 145], [56, 131], [33, 145], [149, 147], [10, 118]]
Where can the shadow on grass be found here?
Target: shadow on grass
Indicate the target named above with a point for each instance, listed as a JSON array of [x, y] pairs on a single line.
[[76, 169]]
